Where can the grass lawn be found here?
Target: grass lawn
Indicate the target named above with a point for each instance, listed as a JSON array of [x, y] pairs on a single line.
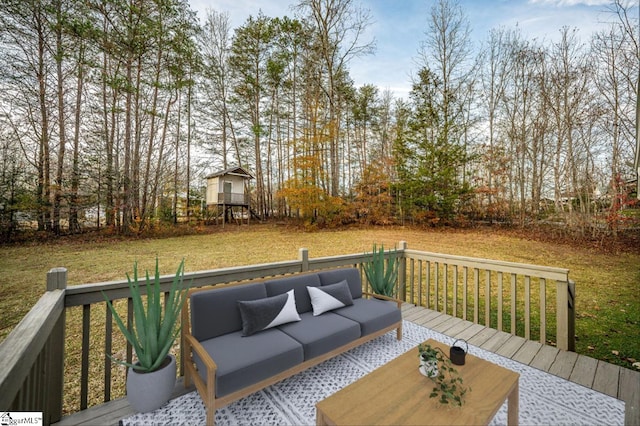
[[607, 306]]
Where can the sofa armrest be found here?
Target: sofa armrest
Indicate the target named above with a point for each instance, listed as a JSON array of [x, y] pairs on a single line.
[[207, 390], [381, 297], [209, 363]]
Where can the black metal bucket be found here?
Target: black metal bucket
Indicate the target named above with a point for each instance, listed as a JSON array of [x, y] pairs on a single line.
[[457, 354]]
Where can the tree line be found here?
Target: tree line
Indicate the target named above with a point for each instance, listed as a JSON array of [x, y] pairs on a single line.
[[113, 111]]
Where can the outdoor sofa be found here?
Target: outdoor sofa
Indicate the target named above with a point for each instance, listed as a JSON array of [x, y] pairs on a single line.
[[239, 339]]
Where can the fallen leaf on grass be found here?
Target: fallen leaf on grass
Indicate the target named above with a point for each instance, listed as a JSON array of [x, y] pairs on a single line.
[[637, 365], [616, 353], [591, 348]]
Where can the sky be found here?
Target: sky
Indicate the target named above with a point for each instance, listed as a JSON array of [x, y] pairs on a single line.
[[399, 27]]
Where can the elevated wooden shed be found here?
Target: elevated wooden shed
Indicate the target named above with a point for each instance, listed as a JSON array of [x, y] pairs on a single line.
[[226, 191]]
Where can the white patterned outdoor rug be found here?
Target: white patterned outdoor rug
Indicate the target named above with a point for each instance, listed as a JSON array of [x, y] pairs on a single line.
[[544, 398]]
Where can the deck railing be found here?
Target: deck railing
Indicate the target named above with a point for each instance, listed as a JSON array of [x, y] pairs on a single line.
[[233, 198], [507, 296], [34, 356]]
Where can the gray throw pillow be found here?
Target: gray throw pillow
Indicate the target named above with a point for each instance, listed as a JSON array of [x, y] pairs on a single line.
[[261, 314], [329, 297]]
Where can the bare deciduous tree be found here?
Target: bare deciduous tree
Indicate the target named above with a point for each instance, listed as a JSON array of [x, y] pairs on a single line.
[[340, 26]]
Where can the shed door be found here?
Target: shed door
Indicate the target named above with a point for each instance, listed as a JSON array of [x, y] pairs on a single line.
[[227, 187]]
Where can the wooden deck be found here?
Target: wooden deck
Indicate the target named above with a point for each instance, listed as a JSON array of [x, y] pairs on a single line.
[[609, 379]]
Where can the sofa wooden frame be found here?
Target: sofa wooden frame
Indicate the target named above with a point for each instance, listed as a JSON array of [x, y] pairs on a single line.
[[207, 389]]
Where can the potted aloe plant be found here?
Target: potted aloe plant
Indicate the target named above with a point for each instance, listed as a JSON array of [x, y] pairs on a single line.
[[151, 379], [381, 273]]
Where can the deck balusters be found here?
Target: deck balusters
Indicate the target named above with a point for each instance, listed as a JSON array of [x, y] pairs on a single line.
[[476, 295], [527, 307], [500, 301], [455, 291], [84, 369], [108, 344], [514, 311], [465, 291], [487, 296], [543, 310]]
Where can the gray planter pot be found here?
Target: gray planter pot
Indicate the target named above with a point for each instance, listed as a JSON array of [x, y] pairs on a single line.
[[150, 391]]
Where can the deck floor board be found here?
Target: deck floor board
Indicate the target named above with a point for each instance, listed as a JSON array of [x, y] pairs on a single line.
[[446, 325], [511, 346], [488, 339], [629, 391], [527, 352], [584, 371], [606, 378], [460, 327], [436, 320], [563, 364], [545, 358], [469, 332]]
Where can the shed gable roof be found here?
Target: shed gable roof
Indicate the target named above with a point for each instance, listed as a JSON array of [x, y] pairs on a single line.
[[237, 171]]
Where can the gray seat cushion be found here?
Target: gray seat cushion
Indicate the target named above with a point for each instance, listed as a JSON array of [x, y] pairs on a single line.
[[243, 361], [299, 284], [351, 275], [215, 312], [322, 334], [371, 314]]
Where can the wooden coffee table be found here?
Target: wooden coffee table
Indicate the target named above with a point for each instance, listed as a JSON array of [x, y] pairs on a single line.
[[397, 394]]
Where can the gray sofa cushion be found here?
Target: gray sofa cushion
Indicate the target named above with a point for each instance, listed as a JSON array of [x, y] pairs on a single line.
[[371, 314], [243, 361], [298, 283], [352, 275], [261, 314], [323, 333], [215, 312]]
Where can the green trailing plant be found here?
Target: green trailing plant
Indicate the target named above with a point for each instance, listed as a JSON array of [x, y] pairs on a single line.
[[381, 273], [449, 387], [427, 352], [153, 330]]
